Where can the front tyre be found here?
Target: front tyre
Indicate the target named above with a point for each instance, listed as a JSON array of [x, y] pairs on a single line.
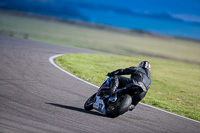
[[119, 107], [89, 103]]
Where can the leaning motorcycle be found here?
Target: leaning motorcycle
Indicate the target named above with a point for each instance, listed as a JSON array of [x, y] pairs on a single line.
[[110, 105]]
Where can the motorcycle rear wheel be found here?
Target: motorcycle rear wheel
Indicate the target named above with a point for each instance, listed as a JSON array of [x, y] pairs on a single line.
[[89, 103], [119, 107]]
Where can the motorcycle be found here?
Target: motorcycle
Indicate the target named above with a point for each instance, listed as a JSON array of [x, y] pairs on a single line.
[[110, 105]]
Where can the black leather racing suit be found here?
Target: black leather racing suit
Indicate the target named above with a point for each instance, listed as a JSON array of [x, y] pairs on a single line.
[[139, 77]]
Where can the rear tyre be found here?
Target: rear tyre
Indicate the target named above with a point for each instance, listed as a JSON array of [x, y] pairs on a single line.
[[89, 103], [119, 107]]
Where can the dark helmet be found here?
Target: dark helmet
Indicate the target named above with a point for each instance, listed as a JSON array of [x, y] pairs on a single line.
[[145, 64]]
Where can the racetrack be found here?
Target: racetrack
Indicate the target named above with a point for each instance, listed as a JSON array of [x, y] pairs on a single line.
[[35, 96]]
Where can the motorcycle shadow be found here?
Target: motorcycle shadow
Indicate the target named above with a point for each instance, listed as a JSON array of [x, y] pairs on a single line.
[[76, 109]]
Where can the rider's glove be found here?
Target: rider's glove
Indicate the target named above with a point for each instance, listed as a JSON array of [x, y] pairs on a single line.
[[110, 74]]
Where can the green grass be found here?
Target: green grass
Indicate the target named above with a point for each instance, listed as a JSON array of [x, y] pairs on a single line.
[[139, 45], [175, 86]]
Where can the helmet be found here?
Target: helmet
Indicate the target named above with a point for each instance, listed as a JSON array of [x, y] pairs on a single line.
[[145, 64]]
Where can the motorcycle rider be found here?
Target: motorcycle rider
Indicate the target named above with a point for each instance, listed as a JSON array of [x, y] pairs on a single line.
[[136, 86]]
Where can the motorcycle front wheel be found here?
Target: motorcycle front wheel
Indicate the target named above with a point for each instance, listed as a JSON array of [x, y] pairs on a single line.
[[89, 103], [119, 107]]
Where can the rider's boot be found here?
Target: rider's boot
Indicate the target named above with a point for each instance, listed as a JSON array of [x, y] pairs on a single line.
[[131, 107]]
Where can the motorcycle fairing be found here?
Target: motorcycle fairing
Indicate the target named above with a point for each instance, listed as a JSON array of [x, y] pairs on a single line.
[[99, 105], [105, 85]]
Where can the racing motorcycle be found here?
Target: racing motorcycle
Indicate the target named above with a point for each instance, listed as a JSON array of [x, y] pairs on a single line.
[[110, 105]]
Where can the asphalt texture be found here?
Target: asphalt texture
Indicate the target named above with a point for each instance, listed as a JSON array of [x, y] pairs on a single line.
[[36, 97]]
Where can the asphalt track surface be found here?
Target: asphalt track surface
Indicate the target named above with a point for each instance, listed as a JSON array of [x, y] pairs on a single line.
[[36, 97]]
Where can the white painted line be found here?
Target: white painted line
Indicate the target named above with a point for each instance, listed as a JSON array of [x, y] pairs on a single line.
[[51, 60]]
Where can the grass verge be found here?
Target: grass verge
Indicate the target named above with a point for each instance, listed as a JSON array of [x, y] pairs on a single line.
[[175, 86]]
